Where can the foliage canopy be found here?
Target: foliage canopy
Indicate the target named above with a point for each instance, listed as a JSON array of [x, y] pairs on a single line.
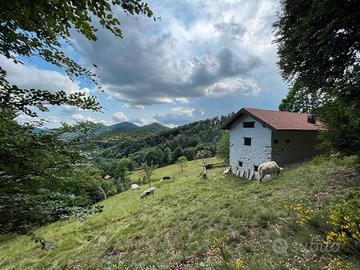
[[318, 47], [41, 28]]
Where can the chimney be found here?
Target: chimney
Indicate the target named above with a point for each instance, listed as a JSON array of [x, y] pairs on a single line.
[[311, 119]]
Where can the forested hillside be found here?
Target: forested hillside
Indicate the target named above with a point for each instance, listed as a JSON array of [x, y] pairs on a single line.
[[194, 140], [130, 129]]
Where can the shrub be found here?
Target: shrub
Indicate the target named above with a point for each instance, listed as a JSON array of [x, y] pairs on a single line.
[[338, 264], [182, 162], [96, 193], [223, 146], [111, 192], [302, 213], [203, 154], [109, 187], [345, 223]]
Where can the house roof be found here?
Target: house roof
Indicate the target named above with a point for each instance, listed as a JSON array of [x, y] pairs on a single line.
[[277, 120]]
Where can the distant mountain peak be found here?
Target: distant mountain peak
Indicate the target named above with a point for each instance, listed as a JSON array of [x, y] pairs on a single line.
[[124, 124], [133, 129]]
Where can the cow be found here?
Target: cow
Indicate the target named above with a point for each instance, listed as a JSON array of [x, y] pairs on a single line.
[[166, 178], [147, 192], [268, 168], [134, 186], [227, 170]]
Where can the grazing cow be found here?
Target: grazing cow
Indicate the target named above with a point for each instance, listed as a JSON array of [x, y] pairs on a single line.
[[166, 178], [269, 168], [227, 170], [134, 186], [147, 192]]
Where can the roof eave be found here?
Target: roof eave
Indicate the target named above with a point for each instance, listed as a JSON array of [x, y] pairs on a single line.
[[241, 113]]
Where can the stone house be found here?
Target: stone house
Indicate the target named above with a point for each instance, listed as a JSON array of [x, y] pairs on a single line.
[[258, 136]]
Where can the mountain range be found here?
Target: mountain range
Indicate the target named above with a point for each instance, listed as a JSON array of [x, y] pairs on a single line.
[[130, 128], [122, 128]]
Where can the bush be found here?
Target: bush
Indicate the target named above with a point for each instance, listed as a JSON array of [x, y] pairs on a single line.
[[96, 193], [22, 212], [182, 162], [49, 200], [111, 192], [345, 223], [109, 188], [223, 146]]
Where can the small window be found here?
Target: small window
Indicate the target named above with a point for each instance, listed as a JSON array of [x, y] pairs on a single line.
[[287, 140], [256, 168], [247, 141], [240, 164], [248, 124], [276, 140]]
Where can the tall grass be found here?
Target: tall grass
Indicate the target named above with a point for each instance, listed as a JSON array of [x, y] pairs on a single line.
[[214, 223]]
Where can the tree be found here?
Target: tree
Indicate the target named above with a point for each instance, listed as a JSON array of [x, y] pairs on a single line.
[[148, 170], [301, 99], [41, 28], [182, 162], [341, 123], [16, 99], [154, 156], [202, 154], [35, 167], [190, 153], [223, 146], [203, 146], [167, 156], [178, 152], [121, 174], [318, 47], [38, 174]]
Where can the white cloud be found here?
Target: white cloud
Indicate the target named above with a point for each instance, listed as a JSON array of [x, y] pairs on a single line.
[[53, 121], [181, 100], [179, 115], [79, 118], [189, 111], [133, 106], [186, 55], [142, 121], [105, 122], [119, 117], [171, 125], [231, 86], [213, 51], [29, 76], [25, 119], [48, 121]]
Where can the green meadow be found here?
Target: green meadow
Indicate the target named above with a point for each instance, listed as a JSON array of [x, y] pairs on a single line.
[[222, 222]]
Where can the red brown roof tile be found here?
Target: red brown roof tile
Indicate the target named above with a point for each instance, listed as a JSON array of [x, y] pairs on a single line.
[[277, 120]]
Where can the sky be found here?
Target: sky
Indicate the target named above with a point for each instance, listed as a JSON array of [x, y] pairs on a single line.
[[202, 59]]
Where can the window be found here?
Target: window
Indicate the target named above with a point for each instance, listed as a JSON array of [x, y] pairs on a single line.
[[287, 140], [247, 141], [248, 124], [256, 168], [276, 140], [240, 164]]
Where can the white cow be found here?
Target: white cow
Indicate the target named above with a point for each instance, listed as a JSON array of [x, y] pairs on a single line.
[[134, 186], [147, 192], [269, 168], [227, 170]]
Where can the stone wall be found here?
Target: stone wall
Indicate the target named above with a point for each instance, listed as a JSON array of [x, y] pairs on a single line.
[[293, 146], [259, 151]]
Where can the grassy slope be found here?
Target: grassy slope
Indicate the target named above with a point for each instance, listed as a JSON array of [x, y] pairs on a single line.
[[191, 222]]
